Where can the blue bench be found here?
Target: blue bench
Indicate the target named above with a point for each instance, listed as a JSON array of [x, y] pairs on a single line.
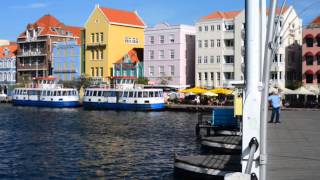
[[224, 118]]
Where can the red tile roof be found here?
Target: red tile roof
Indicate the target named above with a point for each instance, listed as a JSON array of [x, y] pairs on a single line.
[[278, 10], [49, 25], [133, 55], [221, 15], [12, 50], [316, 21], [122, 17]]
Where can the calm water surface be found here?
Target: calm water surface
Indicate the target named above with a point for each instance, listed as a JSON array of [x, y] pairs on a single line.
[[42, 143]]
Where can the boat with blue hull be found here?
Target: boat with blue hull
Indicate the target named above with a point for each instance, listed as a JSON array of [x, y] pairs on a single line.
[[123, 95], [45, 92]]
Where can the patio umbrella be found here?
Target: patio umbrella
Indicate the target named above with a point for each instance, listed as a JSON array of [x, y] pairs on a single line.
[[313, 89], [210, 94], [195, 90], [221, 91], [303, 91]]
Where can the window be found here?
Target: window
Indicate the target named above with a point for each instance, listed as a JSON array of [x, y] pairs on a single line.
[[66, 52], [218, 76], [101, 54], [97, 71], [218, 59], [318, 60], [218, 43], [205, 43], [274, 75], [101, 37], [205, 76], [92, 71], [218, 27], [211, 76], [97, 54], [205, 28], [318, 40], [199, 60], [318, 78], [97, 36], [229, 59], [161, 70], [92, 37], [92, 54], [309, 78], [205, 60], [229, 27], [211, 59], [212, 27], [171, 70], [309, 60], [200, 28], [229, 42], [101, 71], [309, 41], [171, 37], [161, 54], [212, 43], [199, 43], [151, 70], [229, 75], [151, 38], [162, 39], [172, 53], [199, 76], [151, 54]]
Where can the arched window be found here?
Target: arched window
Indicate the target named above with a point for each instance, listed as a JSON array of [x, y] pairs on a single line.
[[309, 40], [318, 40], [309, 58], [1, 76], [4, 76], [309, 76]]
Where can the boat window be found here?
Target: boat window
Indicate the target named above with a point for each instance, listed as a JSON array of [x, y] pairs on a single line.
[[151, 93], [48, 93], [131, 94], [87, 93], [161, 94], [139, 94], [59, 93], [145, 94], [99, 93], [54, 93], [156, 94], [64, 93], [125, 94], [120, 94], [106, 93], [94, 93]]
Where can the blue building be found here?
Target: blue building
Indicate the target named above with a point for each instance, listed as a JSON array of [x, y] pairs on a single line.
[[7, 67], [130, 65], [66, 60]]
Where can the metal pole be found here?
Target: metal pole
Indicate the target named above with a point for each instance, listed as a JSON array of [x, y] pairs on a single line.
[[265, 81], [251, 116], [263, 26]]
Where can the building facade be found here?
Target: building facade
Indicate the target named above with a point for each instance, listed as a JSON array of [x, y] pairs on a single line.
[[35, 44], [109, 35], [169, 54], [7, 67], [131, 65], [311, 54], [219, 48], [66, 60]]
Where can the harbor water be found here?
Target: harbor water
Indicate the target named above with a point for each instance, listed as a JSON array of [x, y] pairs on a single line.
[[43, 143]]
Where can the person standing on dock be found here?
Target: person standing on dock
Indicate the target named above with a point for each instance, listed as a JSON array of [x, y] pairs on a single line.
[[275, 100]]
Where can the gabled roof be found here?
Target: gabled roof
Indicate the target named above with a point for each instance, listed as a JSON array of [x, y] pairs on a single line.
[[122, 17], [221, 15], [12, 50], [278, 10], [49, 25], [133, 56], [316, 21]]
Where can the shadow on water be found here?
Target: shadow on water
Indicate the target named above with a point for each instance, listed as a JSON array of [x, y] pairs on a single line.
[[72, 143]]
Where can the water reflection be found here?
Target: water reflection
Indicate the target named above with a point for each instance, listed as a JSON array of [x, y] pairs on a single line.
[[71, 143]]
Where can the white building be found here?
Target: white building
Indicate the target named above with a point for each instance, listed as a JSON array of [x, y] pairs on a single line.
[[169, 54], [220, 49]]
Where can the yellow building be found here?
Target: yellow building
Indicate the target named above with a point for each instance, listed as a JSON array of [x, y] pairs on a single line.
[[109, 35]]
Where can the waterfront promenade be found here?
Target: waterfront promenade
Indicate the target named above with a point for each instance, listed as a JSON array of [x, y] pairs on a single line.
[[294, 146]]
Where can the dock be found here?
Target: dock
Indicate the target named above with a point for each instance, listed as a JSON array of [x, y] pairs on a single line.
[[223, 144]]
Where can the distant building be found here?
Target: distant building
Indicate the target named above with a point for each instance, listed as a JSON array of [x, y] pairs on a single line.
[[109, 35], [7, 66], [311, 54], [131, 65], [66, 60], [220, 49], [169, 54], [35, 45]]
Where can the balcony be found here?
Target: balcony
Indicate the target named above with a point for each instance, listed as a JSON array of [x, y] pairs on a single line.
[[96, 44], [30, 67], [36, 52], [34, 39], [65, 71]]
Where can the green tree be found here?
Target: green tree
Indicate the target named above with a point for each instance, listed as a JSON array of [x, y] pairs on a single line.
[[142, 80], [164, 80]]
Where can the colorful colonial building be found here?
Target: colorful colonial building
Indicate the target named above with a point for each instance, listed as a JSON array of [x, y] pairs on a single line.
[[130, 65], [7, 66], [66, 60], [311, 54], [170, 53], [35, 44], [109, 35]]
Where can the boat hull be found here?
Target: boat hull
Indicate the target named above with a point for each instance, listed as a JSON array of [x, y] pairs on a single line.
[[58, 104], [122, 106]]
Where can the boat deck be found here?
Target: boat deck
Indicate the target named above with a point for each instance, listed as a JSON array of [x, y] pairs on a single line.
[[223, 144]]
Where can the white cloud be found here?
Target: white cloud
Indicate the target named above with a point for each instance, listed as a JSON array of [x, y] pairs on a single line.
[[31, 6]]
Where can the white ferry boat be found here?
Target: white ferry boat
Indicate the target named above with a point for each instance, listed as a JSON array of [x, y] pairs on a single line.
[[45, 92], [122, 95]]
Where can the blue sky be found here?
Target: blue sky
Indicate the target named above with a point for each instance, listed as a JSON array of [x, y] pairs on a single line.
[[16, 14]]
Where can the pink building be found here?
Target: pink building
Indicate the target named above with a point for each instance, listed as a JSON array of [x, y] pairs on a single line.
[[311, 54], [169, 55]]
